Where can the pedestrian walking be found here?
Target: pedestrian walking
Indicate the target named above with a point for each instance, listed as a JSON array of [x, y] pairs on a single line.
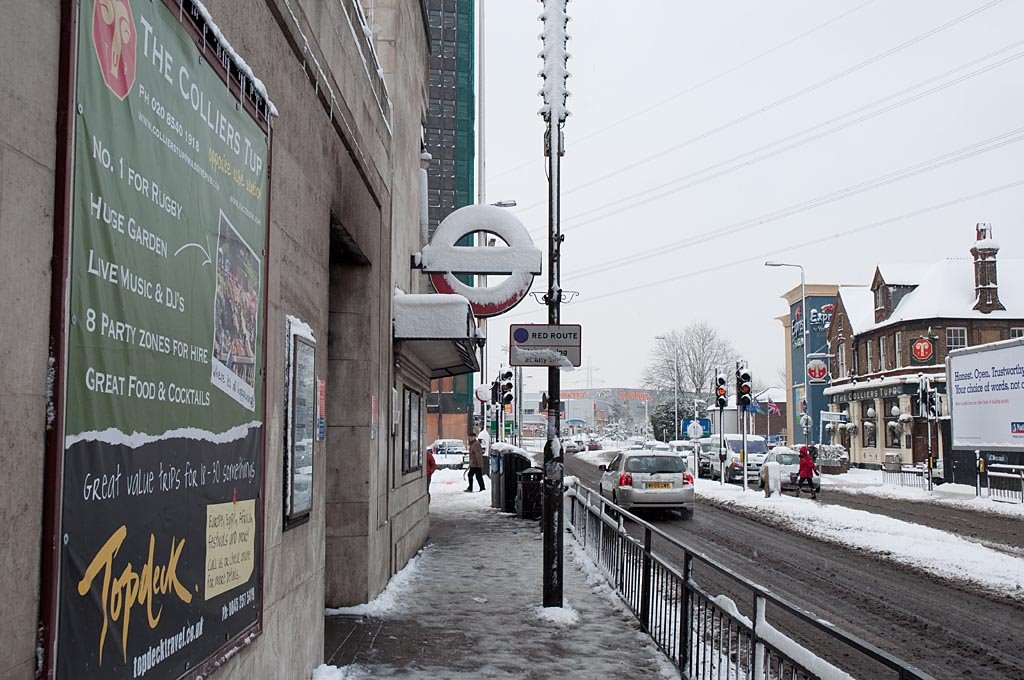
[[807, 470], [431, 468], [476, 463], [813, 450]]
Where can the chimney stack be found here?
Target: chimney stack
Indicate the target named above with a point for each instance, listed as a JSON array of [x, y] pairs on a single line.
[[985, 283]]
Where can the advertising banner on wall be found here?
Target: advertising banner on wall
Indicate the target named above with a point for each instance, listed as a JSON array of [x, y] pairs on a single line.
[[819, 316], [985, 388], [160, 537]]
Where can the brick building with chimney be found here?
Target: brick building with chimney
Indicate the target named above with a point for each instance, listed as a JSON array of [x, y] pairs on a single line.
[[903, 324]]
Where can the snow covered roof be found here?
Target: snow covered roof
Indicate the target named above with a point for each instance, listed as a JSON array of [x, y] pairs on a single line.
[[902, 273], [432, 317], [859, 303], [776, 394], [946, 290]]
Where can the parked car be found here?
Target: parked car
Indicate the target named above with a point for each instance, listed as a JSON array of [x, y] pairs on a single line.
[[570, 446], [681, 446], [646, 479], [789, 463], [450, 453], [593, 445], [661, 446], [757, 449], [650, 444], [708, 452]]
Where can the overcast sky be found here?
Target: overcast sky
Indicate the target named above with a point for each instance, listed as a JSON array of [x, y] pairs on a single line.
[[630, 57]]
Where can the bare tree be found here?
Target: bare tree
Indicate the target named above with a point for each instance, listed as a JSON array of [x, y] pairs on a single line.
[[688, 358]]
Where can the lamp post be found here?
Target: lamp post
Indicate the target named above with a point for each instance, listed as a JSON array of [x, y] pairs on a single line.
[[803, 336], [675, 385]]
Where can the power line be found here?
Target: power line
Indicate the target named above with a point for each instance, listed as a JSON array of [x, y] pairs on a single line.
[[943, 160], [699, 85], [812, 242], [779, 102], [829, 124]]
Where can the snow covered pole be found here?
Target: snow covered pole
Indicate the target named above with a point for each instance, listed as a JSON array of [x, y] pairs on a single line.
[[553, 92]]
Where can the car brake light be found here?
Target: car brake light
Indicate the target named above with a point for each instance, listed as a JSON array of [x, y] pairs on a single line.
[[687, 479], [736, 464], [625, 479]]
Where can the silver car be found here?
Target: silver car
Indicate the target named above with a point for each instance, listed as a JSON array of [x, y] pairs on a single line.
[[648, 479]]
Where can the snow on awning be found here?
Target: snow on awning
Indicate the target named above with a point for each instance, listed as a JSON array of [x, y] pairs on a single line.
[[439, 329]]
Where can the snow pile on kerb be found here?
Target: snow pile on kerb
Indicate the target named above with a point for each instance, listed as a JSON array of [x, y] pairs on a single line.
[[558, 616], [392, 598]]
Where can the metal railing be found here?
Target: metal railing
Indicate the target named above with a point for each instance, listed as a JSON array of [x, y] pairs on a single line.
[[907, 475], [706, 636], [1006, 483]]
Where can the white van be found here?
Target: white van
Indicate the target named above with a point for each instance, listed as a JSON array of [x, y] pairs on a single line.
[[757, 449]]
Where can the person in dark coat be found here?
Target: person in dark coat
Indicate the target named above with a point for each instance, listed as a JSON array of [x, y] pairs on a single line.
[[476, 463], [431, 468], [807, 470]]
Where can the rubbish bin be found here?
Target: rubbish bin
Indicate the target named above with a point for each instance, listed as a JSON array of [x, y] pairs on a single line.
[[511, 465], [530, 493], [495, 477]]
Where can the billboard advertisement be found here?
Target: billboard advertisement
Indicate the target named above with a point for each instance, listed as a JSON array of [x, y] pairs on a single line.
[[819, 316], [159, 541], [985, 390]]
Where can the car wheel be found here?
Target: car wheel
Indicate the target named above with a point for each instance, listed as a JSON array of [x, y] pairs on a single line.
[[687, 513]]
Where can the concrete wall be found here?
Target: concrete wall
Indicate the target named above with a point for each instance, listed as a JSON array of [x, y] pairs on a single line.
[[28, 121], [333, 171]]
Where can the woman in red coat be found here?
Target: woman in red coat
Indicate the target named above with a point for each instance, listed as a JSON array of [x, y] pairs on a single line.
[[807, 470]]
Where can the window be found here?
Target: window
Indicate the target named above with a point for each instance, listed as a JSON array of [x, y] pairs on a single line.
[[412, 453], [893, 427], [879, 297], [956, 338], [881, 353], [871, 359], [301, 428], [842, 359], [899, 349], [869, 424], [1017, 332]]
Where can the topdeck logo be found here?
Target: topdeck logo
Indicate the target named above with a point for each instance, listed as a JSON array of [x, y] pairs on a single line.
[[1017, 429]]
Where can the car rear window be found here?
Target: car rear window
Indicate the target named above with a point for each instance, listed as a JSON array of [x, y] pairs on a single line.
[[753, 446], [788, 459], [655, 464]]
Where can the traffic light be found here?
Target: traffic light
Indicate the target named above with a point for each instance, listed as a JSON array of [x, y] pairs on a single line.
[[721, 392], [933, 403], [505, 388], [744, 390], [494, 392]]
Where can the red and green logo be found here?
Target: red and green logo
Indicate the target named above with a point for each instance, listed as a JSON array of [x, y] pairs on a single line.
[[922, 351], [114, 37]]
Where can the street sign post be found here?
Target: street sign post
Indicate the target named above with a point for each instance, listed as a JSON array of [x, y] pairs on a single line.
[[554, 345]]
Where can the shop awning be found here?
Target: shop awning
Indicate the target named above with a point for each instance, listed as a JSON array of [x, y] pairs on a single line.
[[439, 330]]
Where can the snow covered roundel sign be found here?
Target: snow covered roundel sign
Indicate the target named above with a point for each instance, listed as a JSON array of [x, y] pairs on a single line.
[[443, 260]]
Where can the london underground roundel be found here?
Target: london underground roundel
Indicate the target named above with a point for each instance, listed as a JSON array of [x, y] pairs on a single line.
[[443, 260]]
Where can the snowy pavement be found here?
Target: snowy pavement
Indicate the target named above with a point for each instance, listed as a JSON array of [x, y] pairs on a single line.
[[472, 600], [937, 552], [870, 483]]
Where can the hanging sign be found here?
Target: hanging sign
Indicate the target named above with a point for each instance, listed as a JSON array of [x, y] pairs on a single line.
[[817, 371], [443, 260], [159, 540], [922, 352]]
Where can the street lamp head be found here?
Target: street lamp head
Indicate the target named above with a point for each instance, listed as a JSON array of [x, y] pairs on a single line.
[[772, 263], [504, 204]]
